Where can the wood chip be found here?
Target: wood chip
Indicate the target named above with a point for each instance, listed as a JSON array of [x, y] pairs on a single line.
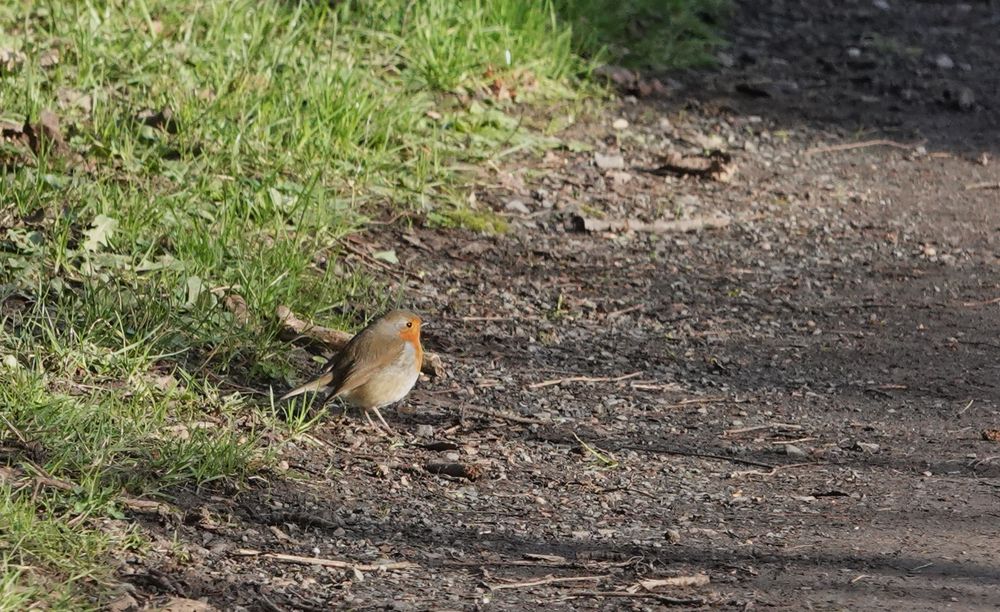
[[675, 581]]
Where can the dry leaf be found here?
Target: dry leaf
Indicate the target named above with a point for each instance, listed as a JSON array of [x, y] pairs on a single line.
[[993, 435], [100, 231]]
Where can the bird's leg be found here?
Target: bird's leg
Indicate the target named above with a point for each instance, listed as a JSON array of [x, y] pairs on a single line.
[[385, 425]]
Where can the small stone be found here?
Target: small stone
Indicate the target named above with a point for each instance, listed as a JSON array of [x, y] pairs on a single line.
[[619, 177], [944, 62], [673, 536], [517, 206], [620, 124], [124, 603], [853, 52], [725, 59], [966, 99], [794, 451], [868, 447], [881, 5], [609, 162], [425, 431]]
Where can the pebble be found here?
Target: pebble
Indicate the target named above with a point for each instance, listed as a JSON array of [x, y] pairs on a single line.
[[609, 162], [620, 124], [944, 62], [517, 206], [966, 99], [794, 451]]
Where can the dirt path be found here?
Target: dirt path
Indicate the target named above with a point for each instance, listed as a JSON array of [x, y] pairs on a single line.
[[832, 356]]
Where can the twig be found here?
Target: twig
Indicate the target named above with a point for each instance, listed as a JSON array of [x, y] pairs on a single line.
[[984, 303], [559, 381], [336, 339], [42, 478], [610, 462], [371, 261], [679, 226], [284, 558], [696, 400], [14, 430], [984, 185], [878, 142], [673, 601], [620, 312], [497, 414], [967, 406], [684, 453], [542, 581], [781, 426], [774, 470], [795, 441]]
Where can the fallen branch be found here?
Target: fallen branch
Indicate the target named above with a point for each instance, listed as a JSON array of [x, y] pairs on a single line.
[[778, 426], [18, 479], [878, 142], [284, 558], [542, 581], [559, 381], [336, 339], [663, 599], [680, 226]]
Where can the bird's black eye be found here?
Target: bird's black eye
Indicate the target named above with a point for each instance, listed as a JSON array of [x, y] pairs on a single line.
[[409, 323]]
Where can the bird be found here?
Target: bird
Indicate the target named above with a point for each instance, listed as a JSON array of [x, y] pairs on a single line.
[[378, 367]]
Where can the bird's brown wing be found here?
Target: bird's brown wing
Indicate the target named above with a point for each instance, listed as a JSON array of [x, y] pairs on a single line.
[[345, 371]]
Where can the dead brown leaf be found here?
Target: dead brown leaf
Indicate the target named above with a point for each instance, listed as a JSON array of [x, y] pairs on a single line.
[[162, 119], [49, 58], [11, 60], [993, 435]]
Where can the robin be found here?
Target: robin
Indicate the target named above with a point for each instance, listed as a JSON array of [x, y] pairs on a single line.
[[376, 368]]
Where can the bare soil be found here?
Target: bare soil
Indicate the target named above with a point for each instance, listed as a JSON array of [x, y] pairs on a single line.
[[811, 384]]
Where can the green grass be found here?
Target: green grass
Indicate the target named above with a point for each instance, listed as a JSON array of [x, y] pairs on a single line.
[[207, 148]]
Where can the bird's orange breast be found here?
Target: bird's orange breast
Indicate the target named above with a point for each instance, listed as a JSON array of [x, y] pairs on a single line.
[[412, 335]]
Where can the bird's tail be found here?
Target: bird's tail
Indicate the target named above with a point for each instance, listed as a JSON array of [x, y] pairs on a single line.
[[313, 385]]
